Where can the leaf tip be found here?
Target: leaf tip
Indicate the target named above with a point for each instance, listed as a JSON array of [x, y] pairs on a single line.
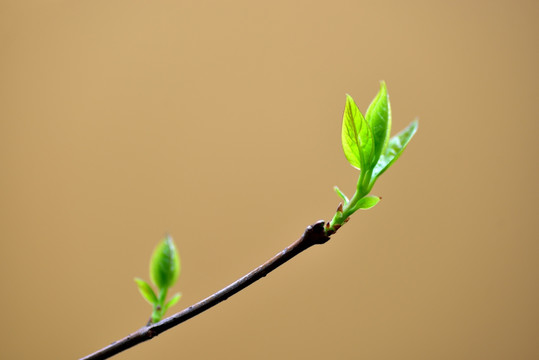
[[349, 100], [414, 125]]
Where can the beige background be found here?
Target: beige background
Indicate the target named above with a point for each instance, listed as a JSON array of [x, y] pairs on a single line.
[[219, 122]]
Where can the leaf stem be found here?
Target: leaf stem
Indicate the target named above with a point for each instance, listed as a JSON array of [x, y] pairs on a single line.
[[341, 216], [159, 306]]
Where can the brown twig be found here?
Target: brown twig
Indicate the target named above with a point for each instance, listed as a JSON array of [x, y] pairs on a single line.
[[314, 234]]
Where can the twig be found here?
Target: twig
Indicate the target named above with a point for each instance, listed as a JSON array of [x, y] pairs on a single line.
[[314, 234]]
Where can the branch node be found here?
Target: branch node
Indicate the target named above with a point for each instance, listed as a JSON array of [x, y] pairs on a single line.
[[315, 234]]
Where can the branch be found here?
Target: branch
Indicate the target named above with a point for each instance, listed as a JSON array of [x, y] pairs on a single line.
[[314, 234]]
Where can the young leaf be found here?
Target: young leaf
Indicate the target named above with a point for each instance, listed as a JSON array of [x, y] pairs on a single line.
[[378, 117], [146, 291], [357, 140], [172, 301], [165, 264], [396, 146], [350, 133], [367, 202], [341, 194]]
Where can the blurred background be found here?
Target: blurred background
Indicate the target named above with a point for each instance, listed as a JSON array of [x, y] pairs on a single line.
[[219, 122]]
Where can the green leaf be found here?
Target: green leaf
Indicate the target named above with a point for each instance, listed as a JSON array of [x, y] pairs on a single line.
[[378, 117], [172, 301], [341, 194], [396, 146], [165, 264], [146, 291], [367, 202], [357, 139]]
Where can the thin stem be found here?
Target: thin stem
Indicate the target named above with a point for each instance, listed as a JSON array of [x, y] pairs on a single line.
[[159, 307], [344, 212], [314, 234], [363, 187]]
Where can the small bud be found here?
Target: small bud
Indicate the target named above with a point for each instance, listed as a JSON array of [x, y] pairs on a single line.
[[165, 264]]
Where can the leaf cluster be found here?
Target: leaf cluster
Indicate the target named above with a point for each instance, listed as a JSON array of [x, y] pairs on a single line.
[[164, 272], [368, 147]]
